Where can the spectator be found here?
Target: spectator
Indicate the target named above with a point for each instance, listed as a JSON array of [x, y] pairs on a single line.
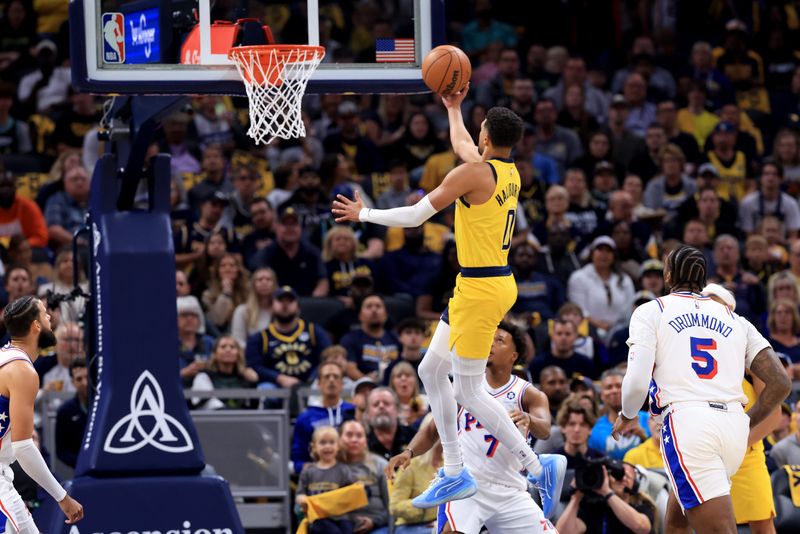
[[694, 119], [618, 337], [74, 123], [412, 333], [647, 164], [212, 248], [338, 355], [485, 30], [603, 308], [287, 352], [732, 165], [672, 187], [553, 383], [769, 199], [261, 236], [539, 295], [369, 470], [750, 296], [371, 347], [599, 149], [783, 324], [212, 124], [246, 182], [340, 254], [747, 138], [622, 208], [254, 314], [431, 303], [703, 71], [601, 439], [410, 269], [226, 369], [386, 437], [69, 346], [64, 284], [773, 231], [48, 85], [523, 97], [395, 196], [72, 415], [626, 144], [787, 450], [667, 118], [311, 205], [323, 475], [14, 134], [417, 144], [786, 152], [18, 283], [562, 353], [757, 259], [659, 80], [194, 346], [552, 140], [297, 263], [361, 153], [576, 423], [651, 277], [20, 253], [228, 288], [575, 74], [17, 36], [784, 285], [332, 411], [66, 210], [212, 178], [19, 215], [557, 258], [604, 183], [556, 204], [573, 114], [582, 212], [641, 113], [409, 483], [179, 145], [413, 405], [781, 431], [715, 210]]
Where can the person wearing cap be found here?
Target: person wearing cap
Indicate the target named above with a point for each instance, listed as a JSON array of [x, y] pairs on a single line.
[[769, 199], [733, 166], [743, 66], [604, 183], [748, 137], [695, 119], [48, 85], [210, 223], [371, 347], [599, 289], [725, 213], [672, 186], [651, 277], [647, 164], [311, 204], [287, 352], [625, 143], [194, 346], [362, 154], [296, 262], [212, 178]]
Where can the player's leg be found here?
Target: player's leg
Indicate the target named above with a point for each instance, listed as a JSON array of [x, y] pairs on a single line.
[[767, 526], [715, 516], [676, 522], [460, 517], [517, 513], [18, 518], [434, 372]]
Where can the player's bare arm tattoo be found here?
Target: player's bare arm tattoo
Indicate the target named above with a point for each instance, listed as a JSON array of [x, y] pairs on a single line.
[[769, 370]]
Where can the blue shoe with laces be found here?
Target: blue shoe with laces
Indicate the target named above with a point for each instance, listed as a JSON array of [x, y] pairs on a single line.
[[550, 481], [445, 489]]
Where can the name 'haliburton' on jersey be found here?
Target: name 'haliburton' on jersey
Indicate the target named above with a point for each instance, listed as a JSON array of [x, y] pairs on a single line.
[[700, 319]]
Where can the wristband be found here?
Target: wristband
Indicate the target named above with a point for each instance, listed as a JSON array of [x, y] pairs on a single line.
[[409, 449], [608, 495]]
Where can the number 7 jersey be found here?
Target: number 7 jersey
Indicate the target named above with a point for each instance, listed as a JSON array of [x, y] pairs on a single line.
[[701, 349], [484, 231]]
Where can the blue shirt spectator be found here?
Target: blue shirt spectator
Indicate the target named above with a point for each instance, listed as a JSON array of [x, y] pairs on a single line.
[[600, 438], [410, 269], [66, 210], [546, 168], [372, 347], [484, 30]]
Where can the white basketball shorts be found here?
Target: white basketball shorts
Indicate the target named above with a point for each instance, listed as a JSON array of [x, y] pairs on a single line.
[[703, 445], [14, 515], [497, 507]]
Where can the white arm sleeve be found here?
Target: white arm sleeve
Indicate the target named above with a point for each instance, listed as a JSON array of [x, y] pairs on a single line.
[[405, 217], [641, 358], [31, 461]]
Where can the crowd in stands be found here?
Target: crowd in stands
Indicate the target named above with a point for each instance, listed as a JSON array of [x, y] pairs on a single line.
[[645, 128]]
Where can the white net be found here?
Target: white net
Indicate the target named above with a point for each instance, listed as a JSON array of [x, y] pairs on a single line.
[[275, 77]]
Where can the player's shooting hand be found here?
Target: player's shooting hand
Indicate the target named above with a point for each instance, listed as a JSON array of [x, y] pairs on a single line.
[[398, 461], [345, 209], [72, 509], [623, 426], [453, 101], [522, 420]]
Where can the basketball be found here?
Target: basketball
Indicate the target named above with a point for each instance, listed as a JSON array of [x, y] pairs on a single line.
[[446, 70]]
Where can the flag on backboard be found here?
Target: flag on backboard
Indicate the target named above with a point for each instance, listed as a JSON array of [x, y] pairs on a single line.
[[394, 50]]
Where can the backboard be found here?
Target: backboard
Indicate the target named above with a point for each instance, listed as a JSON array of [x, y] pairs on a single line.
[[174, 47]]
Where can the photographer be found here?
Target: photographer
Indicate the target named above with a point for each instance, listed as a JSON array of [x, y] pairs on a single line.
[[604, 502]]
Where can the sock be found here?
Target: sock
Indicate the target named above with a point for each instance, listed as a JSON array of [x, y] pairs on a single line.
[[472, 395], [433, 371]]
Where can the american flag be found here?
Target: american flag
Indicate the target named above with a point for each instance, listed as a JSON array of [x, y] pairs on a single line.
[[394, 50]]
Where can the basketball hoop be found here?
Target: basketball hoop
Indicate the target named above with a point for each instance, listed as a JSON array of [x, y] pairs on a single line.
[[275, 77]]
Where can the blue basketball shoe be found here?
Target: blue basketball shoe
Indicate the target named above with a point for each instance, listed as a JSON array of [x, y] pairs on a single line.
[[550, 481], [445, 489]]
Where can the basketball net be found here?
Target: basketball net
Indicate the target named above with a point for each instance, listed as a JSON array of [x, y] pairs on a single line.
[[275, 77]]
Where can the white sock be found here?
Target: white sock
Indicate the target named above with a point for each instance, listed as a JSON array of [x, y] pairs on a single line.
[[433, 371], [471, 393]]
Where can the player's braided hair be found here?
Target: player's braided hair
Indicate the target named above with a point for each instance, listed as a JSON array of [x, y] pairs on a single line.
[[19, 315], [687, 268]]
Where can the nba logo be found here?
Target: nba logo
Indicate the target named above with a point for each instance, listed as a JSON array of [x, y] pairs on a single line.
[[113, 38]]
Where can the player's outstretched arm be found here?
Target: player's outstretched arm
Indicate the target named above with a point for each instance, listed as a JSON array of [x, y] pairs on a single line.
[[422, 442], [462, 143], [454, 185], [536, 415], [777, 386], [23, 386]]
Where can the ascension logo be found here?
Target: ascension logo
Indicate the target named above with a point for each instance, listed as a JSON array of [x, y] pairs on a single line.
[[187, 529], [162, 431]]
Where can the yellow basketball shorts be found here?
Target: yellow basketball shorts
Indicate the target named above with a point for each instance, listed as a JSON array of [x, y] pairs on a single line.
[[751, 491], [478, 305]]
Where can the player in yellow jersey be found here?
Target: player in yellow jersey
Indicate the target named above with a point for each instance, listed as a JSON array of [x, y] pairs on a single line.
[[485, 190]]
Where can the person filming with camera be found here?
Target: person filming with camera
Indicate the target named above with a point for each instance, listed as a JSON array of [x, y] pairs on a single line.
[[606, 498]]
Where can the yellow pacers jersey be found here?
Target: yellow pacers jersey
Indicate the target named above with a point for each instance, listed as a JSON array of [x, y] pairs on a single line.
[[751, 491], [484, 231]]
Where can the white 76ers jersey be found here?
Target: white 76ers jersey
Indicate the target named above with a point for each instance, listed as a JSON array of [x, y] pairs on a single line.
[[8, 354], [485, 457], [701, 349]]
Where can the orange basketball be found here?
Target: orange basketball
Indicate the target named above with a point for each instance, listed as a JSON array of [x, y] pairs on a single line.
[[446, 69]]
